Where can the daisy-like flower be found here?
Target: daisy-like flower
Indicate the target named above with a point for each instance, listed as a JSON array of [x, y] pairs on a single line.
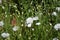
[[54, 13], [58, 8], [35, 18], [15, 6], [57, 26], [55, 39], [1, 23], [29, 25], [5, 35], [38, 23], [15, 28], [32, 29], [29, 20]]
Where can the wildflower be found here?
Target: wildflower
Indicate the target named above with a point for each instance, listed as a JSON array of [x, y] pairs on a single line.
[[1, 23], [32, 29], [54, 13], [29, 25], [5, 35], [58, 8], [35, 18], [5, 15], [55, 39], [38, 23], [57, 26], [15, 28], [29, 20], [3, 7]]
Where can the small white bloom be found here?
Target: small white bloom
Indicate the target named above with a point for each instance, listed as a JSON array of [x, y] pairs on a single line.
[[15, 28], [38, 23], [32, 29], [29, 20], [22, 25], [19, 34], [15, 6], [35, 18], [3, 7], [5, 35], [5, 15], [55, 39], [50, 23], [58, 8], [57, 26], [29, 25], [54, 13], [1, 23]]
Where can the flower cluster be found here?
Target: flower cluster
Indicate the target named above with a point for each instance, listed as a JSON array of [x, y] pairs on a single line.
[[30, 20]]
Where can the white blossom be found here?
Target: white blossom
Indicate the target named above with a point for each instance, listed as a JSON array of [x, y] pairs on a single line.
[[29, 20], [54, 13], [15, 28], [29, 25], [1, 23], [38, 23], [5, 35], [57, 26], [5, 15], [58, 8], [35, 18], [3, 7], [55, 39], [32, 29]]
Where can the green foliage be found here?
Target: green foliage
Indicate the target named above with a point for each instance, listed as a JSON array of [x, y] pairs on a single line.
[[22, 9]]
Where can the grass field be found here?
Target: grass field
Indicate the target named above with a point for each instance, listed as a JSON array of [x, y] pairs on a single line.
[[14, 14]]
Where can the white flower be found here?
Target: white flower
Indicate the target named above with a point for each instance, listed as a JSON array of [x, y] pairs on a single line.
[[5, 35], [29, 25], [19, 34], [54, 13], [58, 8], [15, 28], [50, 23], [38, 23], [35, 18], [5, 15], [3, 7], [32, 29], [29, 20], [1, 23], [55, 39], [57, 26], [15, 6]]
